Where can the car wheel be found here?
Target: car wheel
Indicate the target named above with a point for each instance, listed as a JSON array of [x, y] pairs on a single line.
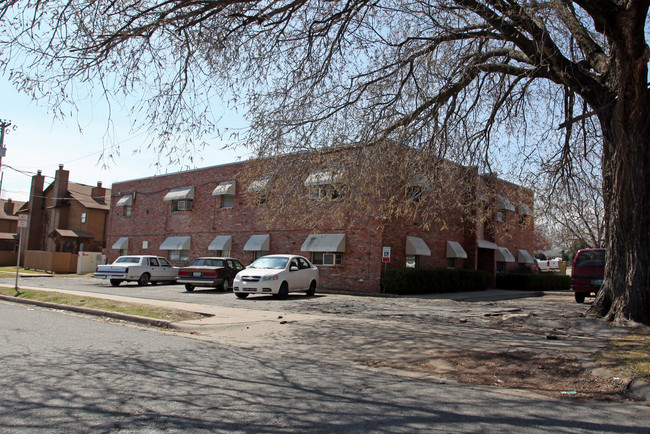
[[143, 280], [241, 294], [580, 297], [284, 291], [189, 288], [115, 282], [225, 286], [312, 288]]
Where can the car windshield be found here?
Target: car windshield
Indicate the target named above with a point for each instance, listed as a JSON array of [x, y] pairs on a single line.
[[270, 262], [207, 262], [127, 259], [591, 258]]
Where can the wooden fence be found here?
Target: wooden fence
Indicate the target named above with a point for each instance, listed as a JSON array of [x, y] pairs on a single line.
[[56, 262]]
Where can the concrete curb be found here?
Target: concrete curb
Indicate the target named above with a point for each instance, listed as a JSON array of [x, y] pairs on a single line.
[[97, 312]]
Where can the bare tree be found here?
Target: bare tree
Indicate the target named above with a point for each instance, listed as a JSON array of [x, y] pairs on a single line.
[[477, 83]]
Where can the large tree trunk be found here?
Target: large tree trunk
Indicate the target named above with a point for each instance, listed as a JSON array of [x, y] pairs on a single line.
[[625, 294]]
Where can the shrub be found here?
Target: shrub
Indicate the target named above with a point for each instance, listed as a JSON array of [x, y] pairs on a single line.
[[433, 280], [534, 282]]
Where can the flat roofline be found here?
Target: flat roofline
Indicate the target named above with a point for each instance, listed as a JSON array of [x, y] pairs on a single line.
[[180, 172]]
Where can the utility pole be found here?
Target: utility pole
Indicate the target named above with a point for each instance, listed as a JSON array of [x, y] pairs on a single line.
[[4, 125]]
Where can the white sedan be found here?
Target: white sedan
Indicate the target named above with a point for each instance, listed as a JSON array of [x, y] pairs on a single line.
[[277, 275]]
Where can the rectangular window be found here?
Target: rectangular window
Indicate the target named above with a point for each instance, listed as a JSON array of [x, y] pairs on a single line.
[[83, 217], [327, 259], [126, 210], [501, 216], [523, 220], [123, 252], [259, 253], [182, 205], [501, 267], [451, 262], [179, 255], [411, 261], [227, 201], [327, 191]]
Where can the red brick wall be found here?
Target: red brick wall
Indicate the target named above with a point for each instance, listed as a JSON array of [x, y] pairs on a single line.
[[153, 221]]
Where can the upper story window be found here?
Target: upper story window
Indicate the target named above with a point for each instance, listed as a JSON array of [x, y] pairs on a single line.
[[525, 214], [126, 202], [260, 187], [182, 199], [83, 217], [182, 205], [226, 190], [325, 184], [415, 193]]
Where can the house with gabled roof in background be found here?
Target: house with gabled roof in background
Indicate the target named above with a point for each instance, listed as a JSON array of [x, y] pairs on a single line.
[[66, 217], [9, 231]]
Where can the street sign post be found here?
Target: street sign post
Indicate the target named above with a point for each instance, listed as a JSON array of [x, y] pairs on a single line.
[[22, 224]]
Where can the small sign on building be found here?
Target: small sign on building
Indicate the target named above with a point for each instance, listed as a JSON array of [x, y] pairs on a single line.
[[385, 254], [22, 220]]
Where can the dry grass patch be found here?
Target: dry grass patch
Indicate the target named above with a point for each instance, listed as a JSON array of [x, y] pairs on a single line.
[[148, 311], [629, 355]]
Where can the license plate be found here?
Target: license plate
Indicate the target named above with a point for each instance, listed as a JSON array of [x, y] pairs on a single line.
[[597, 282], [196, 274]]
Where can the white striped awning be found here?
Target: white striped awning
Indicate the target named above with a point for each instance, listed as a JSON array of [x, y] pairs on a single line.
[[455, 250], [417, 246], [227, 187], [180, 194], [221, 242], [176, 243], [126, 200], [328, 243], [258, 243]]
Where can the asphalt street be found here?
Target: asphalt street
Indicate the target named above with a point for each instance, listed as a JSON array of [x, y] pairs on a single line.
[[67, 373]]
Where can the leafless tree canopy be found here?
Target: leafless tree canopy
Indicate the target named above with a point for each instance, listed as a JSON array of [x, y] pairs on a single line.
[[480, 83]]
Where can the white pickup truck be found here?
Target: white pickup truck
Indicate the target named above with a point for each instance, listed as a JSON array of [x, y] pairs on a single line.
[[138, 268], [548, 264]]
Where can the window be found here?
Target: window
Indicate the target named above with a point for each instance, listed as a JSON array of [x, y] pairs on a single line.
[[501, 216], [179, 255], [451, 262], [411, 261], [259, 253], [153, 262], [501, 267], [164, 263], [523, 220], [327, 191], [126, 210], [415, 193], [123, 252], [327, 259], [227, 201], [83, 217], [182, 205]]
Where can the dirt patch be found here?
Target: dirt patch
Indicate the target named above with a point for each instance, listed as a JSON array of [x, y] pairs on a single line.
[[557, 375]]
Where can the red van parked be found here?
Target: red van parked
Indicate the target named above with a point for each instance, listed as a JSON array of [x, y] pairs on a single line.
[[587, 273]]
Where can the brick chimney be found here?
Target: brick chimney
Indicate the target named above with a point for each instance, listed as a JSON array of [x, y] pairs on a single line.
[[9, 207], [60, 187], [36, 212], [99, 193]]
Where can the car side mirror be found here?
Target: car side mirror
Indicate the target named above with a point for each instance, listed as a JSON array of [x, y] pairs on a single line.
[[293, 268]]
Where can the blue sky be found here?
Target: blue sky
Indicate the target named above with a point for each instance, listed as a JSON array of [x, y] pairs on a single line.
[[41, 143]]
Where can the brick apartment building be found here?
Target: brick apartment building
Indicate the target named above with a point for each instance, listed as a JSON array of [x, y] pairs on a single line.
[[9, 231], [213, 211], [66, 216]]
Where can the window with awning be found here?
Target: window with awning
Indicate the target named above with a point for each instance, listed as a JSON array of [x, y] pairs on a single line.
[[504, 255], [258, 243], [176, 243], [126, 200], [181, 193], [455, 250], [523, 257], [121, 244], [221, 242], [225, 188], [504, 204], [324, 243], [415, 246]]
